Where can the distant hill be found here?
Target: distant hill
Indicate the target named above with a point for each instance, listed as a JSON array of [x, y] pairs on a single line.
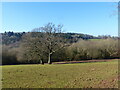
[[13, 37]]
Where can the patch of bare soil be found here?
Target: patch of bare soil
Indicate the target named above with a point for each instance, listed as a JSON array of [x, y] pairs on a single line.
[[84, 61]]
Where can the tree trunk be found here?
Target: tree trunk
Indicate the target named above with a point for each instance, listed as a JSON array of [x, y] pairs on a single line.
[[41, 62], [49, 58]]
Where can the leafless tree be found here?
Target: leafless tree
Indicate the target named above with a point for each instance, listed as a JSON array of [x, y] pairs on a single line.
[[30, 49], [50, 39]]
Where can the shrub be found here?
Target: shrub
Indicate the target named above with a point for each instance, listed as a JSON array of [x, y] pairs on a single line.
[[9, 55], [93, 49]]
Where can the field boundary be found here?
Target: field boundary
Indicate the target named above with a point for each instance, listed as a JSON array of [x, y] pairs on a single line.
[[84, 61]]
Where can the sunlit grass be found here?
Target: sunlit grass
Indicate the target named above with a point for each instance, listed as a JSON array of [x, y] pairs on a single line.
[[80, 75]]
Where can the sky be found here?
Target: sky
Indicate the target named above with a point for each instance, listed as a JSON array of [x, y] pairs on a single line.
[[94, 18]]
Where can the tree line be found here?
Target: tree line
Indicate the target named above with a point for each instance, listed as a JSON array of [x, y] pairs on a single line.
[[49, 44], [13, 37]]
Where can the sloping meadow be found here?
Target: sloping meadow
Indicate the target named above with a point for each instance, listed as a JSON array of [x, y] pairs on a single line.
[[81, 75]]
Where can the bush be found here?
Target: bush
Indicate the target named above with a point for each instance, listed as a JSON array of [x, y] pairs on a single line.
[[93, 49], [9, 56]]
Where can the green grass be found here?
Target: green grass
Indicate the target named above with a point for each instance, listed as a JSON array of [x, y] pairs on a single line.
[[82, 75], [95, 39]]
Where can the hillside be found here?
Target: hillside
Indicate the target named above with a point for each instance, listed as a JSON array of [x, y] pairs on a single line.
[[13, 37]]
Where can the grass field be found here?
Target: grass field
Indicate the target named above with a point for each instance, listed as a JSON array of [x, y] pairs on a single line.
[[80, 75]]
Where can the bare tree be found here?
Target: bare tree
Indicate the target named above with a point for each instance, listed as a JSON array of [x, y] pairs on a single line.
[[50, 39], [30, 49]]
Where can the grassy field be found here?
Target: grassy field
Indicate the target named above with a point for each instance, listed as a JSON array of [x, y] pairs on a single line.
[[80, 75]]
